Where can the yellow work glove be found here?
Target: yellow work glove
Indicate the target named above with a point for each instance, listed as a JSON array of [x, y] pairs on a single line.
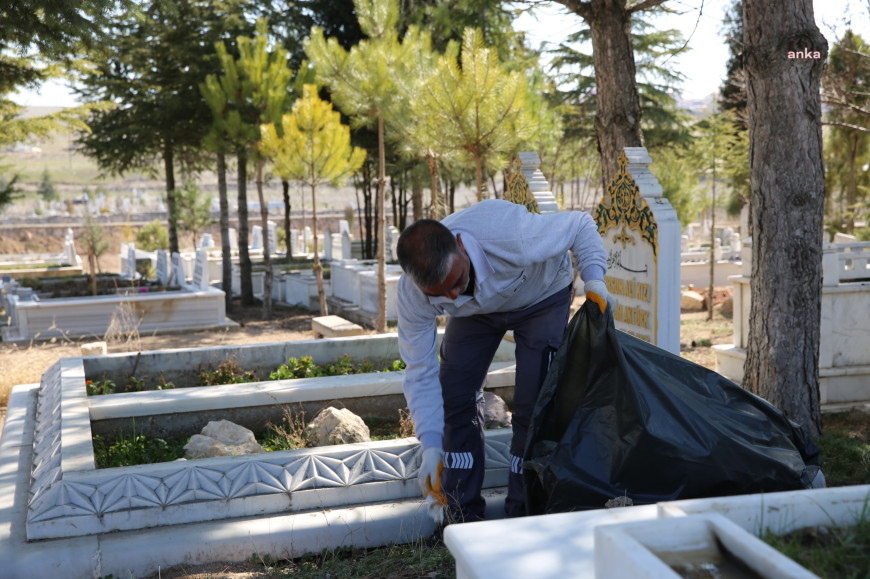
[[596, 290], [429, 479]]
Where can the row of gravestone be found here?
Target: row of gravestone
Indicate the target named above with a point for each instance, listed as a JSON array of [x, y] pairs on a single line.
[[334, 245]]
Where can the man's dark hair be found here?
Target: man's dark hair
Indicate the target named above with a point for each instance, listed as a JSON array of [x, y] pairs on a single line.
[[426, 249]]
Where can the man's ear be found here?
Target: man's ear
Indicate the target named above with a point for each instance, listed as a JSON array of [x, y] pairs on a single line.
[[459, 241]]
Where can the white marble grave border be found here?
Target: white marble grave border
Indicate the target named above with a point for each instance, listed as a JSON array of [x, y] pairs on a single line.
[[69, 497]]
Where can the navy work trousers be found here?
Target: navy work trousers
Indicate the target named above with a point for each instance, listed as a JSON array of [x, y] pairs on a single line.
[[467, 351]]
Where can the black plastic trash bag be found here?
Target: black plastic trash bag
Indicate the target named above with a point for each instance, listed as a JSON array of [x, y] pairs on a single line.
[[618, 417]]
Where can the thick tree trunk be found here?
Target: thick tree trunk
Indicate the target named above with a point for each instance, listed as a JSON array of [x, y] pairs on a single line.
[[169, 168], [382, 220], [318, 268], [617, 122], [226, 250], [787, 200], [247, 285], [285, 188], [267, 257]]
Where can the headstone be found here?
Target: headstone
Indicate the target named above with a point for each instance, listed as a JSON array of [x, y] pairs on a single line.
[[271, 238], [257, 237], [393, 242], [200, 270], [294, 241], [234, 238], [641, 235], [343, 226], [162, 267], [206, 241], [538, 185], [125, 205], [684, 244], [177, 277], [307, 239], [327, 244], [130, 271], [346, 245]]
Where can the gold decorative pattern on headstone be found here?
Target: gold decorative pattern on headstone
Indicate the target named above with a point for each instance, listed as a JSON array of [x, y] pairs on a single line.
[[518, 189], [623, 206]]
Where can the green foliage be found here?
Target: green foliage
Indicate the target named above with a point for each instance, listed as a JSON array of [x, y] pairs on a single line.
[[845, 448], [227, 372], [473, 107], [95, 240], [193, 210], [133, 449], [675, 172], [8, 192], [153, 236], [100, 388], [305, 367], [829, 551], [46, 188]]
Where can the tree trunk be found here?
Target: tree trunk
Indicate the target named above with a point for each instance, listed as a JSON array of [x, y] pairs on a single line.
[[226, 250], [285, 188], [169, 168], [433, 171], [92, 264], [318, 268], [382, 220], [267, 257], [851, 184], [787, 196], [247, 285], [478, 174], [617, 122], [416, 202], [712, 247]]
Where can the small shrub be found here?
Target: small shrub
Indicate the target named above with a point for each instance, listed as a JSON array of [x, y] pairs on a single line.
[[227, 372], [289, 435], [100, 388], [303, 367], [153, 236], [132, 449]]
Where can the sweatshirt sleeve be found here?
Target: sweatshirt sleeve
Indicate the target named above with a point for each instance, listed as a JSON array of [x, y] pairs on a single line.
[[549, 235], [418, 333]]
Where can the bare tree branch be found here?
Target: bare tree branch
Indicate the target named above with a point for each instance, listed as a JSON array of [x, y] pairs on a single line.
[[578, 7], [846, 126], [643, 5]]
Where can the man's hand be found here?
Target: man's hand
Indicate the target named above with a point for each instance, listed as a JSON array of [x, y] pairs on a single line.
[[429, 477], [596, 290]]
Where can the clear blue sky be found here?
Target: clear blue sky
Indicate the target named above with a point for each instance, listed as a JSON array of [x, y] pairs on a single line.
[[703, 65]]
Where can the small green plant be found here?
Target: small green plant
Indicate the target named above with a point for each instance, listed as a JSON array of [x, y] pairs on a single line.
[[303, 367], [132, 449], [164, 385], [834, 551], [289, 435], [135, 384], [227, 372], [153, 236], [100, 388]]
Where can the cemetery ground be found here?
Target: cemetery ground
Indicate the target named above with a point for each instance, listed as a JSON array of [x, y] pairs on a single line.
[[846, 444]]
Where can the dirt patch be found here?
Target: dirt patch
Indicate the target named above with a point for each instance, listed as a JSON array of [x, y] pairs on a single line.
[[25, 363]]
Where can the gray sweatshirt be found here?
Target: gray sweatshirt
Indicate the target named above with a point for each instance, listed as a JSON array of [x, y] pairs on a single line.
[[519, 259]]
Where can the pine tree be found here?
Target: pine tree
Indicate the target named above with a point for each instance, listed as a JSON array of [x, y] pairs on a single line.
[[315, 149], [473, 108], [370, 83]]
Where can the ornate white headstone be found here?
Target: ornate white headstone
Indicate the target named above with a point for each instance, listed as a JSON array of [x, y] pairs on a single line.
[[177, 278], [641, 235], [257, 237], [538, 185], [162, 267]]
